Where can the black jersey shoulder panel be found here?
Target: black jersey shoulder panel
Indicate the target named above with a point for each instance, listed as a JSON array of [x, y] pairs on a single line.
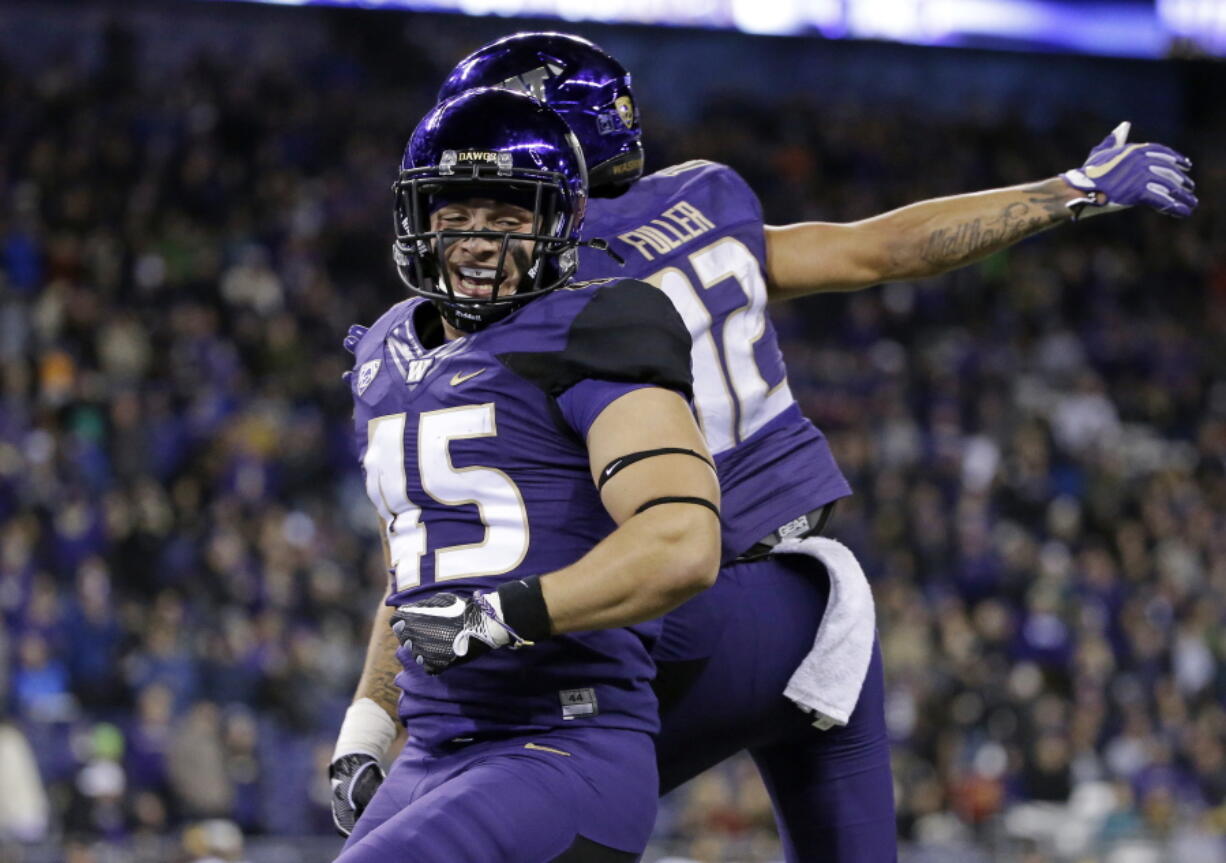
[[628, 332]]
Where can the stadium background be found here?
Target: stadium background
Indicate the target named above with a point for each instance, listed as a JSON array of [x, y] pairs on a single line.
[[194, 207]]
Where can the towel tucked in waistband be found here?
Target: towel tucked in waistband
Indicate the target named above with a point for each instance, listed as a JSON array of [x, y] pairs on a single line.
[[829, 679]]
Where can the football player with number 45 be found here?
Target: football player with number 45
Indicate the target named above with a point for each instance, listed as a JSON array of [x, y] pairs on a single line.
[[545, 491], [790, 620]]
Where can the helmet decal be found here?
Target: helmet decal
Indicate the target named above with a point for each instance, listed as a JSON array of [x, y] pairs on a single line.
[[532, 82], [586, 86], [625, 110]]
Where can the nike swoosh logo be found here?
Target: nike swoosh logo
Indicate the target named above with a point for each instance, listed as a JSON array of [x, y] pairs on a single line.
[[1096, 171], [460, 377], [540, 748], [614, 467], [453, 610]]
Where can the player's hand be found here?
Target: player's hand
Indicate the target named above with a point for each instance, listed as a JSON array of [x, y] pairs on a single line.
[[1117, 174], [355, 779], [446, 629], [356, 331]]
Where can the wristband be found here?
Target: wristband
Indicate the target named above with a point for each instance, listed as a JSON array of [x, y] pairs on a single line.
[[523, 608], [367, 729]]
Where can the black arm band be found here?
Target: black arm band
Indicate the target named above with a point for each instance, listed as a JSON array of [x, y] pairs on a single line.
[[624, 461], [523, 608], [700, 501]]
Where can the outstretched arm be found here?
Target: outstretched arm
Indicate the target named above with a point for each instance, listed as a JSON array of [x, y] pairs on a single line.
[[913, 242], [932, 237]]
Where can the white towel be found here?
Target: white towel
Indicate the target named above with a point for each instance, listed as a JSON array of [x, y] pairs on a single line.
[[828, 681]]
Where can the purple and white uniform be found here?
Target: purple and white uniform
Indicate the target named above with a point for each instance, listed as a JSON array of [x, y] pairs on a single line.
[[696, 232], [474, 456]]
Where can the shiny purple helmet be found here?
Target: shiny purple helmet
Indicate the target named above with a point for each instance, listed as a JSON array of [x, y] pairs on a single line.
[[577, 79], [490, 143]]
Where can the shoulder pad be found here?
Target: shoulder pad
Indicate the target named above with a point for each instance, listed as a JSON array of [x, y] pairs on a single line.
[[701, 171], [695, 169], [628, 331], [686, 167]]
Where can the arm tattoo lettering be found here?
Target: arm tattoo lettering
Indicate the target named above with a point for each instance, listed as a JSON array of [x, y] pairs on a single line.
[[950, 247]]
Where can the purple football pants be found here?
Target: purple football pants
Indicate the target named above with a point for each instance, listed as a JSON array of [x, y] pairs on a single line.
[[724, 660], [579, 794]]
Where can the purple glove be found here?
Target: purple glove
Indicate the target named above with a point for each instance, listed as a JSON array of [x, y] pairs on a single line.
[[351, 344], [1130, 174], [356, 331]]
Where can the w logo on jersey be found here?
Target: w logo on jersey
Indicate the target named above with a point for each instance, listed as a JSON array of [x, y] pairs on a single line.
[[412, 361], [417, 370]]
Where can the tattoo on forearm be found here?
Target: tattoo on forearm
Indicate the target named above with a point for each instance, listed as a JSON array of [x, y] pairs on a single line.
[[945, 248], [379, 676]]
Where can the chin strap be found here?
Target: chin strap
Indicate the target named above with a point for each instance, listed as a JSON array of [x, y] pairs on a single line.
[[603, 246]]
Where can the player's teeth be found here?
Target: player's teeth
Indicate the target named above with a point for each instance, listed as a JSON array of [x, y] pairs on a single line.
[[473, 287], [474, 273]]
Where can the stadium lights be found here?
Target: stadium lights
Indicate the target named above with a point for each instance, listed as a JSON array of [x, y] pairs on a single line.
[[1126, 28]]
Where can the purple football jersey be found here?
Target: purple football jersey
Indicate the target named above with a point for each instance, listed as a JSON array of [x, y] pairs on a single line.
[[695, 231], [473, 452]]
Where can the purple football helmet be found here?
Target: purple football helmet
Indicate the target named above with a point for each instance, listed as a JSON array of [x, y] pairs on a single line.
[[577, 79], [505, 146]]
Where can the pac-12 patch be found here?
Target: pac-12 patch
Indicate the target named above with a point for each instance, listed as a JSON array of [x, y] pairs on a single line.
[[366, 374], [577, 703]]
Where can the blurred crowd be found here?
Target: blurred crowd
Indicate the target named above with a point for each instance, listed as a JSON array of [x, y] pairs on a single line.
[[188, 563]]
